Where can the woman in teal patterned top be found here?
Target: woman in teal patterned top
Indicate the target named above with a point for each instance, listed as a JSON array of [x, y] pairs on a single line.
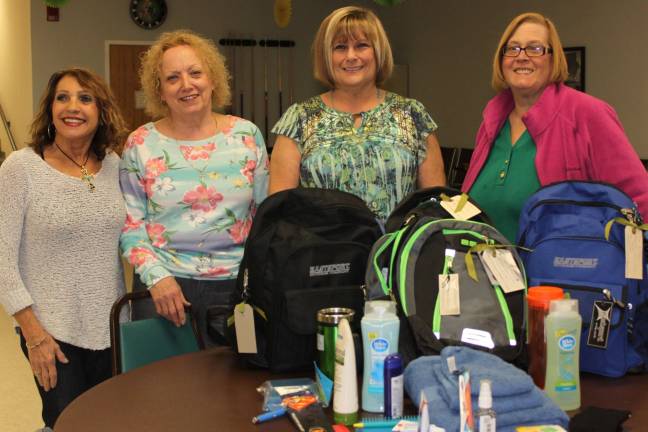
[[356, 137]]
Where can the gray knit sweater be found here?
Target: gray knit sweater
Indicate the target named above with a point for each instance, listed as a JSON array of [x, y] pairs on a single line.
[[59, 247]]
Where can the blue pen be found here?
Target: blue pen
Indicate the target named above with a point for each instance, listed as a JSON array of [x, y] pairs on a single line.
[[269, 415]]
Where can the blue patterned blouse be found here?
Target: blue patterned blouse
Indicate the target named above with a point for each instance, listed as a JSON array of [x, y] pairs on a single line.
[[190, 204], [377, 161]]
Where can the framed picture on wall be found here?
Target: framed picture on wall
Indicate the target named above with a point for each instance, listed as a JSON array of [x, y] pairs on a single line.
[[576, 66]]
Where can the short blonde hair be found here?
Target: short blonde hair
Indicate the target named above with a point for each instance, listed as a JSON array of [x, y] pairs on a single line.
[[211, 58], [559, 71], [348, 22]]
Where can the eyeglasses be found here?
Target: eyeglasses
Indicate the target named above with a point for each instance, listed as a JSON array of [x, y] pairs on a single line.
[[530, 51]]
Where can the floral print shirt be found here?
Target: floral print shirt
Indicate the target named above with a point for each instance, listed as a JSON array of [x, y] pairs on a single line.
[[378, 161], [190, 204]]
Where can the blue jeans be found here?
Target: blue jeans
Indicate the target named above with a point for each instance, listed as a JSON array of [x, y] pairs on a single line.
[[211, 304], [86, 368]]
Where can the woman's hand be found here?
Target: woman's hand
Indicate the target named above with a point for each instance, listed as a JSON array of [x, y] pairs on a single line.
[[42, 349], [43, 352], [169, 300]]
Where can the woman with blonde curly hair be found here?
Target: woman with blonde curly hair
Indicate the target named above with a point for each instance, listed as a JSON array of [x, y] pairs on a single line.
[[192, 181], [62, 214]]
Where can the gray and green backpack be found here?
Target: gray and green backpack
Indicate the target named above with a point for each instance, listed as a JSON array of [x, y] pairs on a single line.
[[405, 265]]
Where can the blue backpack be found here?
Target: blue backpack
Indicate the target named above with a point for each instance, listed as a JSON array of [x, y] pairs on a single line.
[[564, 225]]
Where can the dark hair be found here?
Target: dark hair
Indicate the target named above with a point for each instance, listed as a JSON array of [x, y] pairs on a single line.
[[111, 131]]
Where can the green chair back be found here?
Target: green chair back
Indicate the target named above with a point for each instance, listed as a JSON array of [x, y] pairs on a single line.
[[138, 343]]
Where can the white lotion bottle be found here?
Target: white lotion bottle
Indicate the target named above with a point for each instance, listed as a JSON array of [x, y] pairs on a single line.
[[345, 386]]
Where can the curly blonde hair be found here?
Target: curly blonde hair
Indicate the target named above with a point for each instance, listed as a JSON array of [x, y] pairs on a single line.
[[208, 54], [348, 22], [111, 130]]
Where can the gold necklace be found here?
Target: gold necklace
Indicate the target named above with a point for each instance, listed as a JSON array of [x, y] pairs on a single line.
[[85, 174]]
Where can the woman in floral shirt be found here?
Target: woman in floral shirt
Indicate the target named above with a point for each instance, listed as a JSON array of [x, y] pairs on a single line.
[[356, 137], [191, 181]]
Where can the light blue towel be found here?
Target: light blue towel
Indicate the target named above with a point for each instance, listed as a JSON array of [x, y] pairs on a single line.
[[482, 365], [447, 418], [516, 400], [450, 389]]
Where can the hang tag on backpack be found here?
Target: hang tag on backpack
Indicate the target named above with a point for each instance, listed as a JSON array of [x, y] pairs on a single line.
[[244, 325], [460, 210], [599, 328], [489, 273], [633, 253], [449, 294], [502, 265]]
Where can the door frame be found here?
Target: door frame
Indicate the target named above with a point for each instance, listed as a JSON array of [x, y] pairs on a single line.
[[107, 45]]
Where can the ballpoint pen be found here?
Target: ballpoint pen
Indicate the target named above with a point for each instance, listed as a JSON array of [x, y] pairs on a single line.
[[269, 415]]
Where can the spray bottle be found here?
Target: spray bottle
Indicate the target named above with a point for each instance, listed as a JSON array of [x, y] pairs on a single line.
[[485, 413]]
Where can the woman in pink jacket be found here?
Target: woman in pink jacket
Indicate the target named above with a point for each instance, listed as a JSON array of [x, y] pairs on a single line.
[[538, 131]]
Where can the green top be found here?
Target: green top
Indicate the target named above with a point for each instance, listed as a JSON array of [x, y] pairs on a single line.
[[507, 179], [377, 161]]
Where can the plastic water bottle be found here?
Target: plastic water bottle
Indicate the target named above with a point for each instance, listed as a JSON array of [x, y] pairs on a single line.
[[380, 327], [563, 329]]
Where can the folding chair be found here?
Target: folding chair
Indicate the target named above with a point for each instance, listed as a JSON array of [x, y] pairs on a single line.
[[137, 343]]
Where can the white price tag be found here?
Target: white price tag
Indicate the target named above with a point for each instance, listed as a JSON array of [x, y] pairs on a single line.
[[464, 213], [244, 325], [449, 294], [633, 253], [502, 265]]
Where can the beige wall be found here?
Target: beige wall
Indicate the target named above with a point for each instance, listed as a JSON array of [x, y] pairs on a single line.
[[447, 44], [79, 38], [15, 69]]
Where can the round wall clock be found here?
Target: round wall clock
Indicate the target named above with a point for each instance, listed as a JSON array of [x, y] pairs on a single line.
[[148, 14]]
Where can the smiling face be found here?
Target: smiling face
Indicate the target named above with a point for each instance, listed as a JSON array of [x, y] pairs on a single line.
[[184, 83], [353, 61], [74, 111], [528, 76]]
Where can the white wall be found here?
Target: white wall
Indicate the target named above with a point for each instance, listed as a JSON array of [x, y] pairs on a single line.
[[78, 39], [15, 69], [448, 45]]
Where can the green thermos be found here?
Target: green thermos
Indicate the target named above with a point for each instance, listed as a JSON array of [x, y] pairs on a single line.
[[327, 332]]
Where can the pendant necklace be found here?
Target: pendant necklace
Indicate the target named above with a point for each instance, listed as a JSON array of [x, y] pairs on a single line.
[[86, 177]]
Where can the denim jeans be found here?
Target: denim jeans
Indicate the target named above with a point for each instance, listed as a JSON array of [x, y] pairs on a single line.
[[211, 304], [85, 369]]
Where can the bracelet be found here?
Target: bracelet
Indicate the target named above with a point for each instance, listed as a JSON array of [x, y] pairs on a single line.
[[35, 345]]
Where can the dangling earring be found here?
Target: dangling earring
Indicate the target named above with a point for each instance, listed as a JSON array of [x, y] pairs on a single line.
[[50, 131]]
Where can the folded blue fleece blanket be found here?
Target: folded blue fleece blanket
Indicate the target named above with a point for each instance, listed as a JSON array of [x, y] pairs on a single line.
[[516, 400]]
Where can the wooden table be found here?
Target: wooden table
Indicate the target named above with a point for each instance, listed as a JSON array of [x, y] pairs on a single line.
[[210, 391]]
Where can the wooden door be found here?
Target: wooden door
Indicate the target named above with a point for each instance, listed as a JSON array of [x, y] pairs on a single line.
[[124, 61]]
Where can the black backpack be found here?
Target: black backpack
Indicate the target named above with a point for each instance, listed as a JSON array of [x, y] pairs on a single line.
[[404, 264], [307, 250]]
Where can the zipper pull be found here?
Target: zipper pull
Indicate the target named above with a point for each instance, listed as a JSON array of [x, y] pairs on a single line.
[[608, 295]]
